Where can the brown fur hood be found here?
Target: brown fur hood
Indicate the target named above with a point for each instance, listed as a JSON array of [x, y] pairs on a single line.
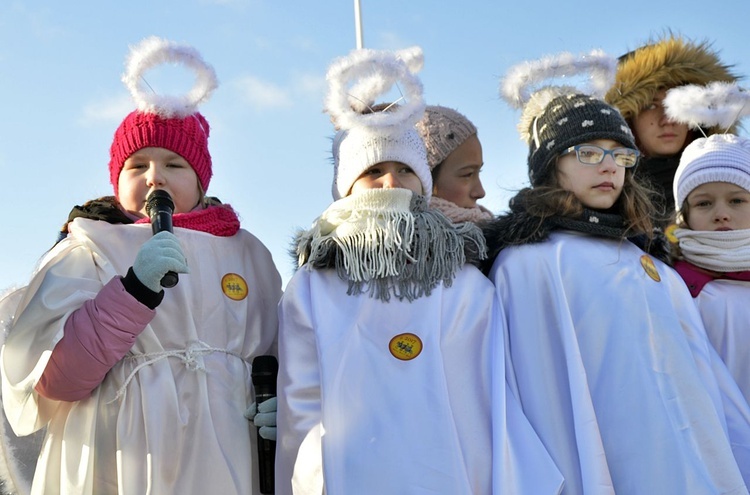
[[666, 63]]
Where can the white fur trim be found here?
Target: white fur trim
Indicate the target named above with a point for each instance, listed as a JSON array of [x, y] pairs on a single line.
[[154, 51], [719, 104], [517, 86], [374, 72]]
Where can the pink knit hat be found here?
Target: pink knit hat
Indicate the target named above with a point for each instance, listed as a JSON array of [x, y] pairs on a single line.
[[188, 137], [164, 121]]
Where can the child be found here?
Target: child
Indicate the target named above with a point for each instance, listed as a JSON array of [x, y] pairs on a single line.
[[609, 357], [143, 389], [385, 328], [643, 77], [712, 187], [454, 154]]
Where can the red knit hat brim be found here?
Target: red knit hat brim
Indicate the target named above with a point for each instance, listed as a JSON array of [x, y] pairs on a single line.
[[188, 137]]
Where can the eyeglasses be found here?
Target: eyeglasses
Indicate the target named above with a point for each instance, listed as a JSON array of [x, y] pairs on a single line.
[[593, 155]]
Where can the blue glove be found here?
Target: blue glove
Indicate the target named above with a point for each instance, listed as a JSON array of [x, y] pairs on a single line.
[[264, 417], [159, 255]]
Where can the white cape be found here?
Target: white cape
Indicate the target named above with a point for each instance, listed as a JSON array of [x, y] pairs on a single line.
[[179, 426], [724, 306], [615, 373], [360, 421]]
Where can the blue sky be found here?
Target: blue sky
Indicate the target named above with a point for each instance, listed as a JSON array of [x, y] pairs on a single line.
[[61, 62]]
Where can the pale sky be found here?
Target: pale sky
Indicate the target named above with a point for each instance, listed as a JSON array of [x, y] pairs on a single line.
[[61, 63]]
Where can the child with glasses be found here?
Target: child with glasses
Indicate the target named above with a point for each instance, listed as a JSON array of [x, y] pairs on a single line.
[[607, 353]]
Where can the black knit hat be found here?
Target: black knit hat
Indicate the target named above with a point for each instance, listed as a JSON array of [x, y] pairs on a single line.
[[567, 120]]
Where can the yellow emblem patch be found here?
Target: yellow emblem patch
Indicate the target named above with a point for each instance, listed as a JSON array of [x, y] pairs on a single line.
[[648, 265], [405, 346], [234, 286]]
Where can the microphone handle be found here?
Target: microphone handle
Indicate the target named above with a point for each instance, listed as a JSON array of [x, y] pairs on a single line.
[[162, 221]]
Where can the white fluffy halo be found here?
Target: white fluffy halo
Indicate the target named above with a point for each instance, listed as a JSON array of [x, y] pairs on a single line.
[[154, 51], [719, 104], [521, 79], [372, 73]]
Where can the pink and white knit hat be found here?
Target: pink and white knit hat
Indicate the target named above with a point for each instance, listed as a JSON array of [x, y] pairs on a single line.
[[170, 122]]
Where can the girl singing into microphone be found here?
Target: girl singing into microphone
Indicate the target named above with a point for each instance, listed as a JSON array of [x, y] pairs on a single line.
[[141, 389]]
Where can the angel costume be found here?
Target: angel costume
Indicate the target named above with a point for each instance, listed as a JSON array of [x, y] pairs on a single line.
[[611, 363], [169, 416], [385, 382]]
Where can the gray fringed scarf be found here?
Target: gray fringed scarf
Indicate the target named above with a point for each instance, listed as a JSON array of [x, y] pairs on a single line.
[[388, 242]]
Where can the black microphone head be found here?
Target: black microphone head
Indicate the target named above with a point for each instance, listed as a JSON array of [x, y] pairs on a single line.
[[265, 369], [159, 199]]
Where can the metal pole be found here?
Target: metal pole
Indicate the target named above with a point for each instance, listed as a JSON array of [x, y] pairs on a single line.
[[358, 24]]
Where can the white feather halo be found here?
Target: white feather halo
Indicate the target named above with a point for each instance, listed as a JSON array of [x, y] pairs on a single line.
[[521, 79], [718, 104], [154, 51], [371, 73]]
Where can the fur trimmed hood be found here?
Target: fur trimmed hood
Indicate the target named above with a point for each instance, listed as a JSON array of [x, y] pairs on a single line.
[[667, 63]]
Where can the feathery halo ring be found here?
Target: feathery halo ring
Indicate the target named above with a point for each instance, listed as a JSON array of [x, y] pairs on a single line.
[[154, 51], [517, 86], [718, 103], [374, 72]]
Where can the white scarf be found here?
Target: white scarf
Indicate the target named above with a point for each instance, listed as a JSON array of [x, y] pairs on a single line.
[[719, 251]]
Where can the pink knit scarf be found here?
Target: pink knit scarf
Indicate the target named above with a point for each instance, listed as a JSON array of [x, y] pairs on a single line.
[[218, 220], [458, 214]]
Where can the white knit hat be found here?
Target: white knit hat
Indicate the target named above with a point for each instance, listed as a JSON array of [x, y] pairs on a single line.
[[717, 158], [365, 139]]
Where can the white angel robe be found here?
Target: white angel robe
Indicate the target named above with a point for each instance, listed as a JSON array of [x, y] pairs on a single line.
[[614, 371], [724, 306], [168, 418], [393, 398]]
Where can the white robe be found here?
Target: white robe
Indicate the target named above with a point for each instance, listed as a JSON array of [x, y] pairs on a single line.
[[615, 373], [360, 421], [724, 306], [179, 425]]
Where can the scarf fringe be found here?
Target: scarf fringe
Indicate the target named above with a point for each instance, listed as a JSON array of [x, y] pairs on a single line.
[[390, 251]]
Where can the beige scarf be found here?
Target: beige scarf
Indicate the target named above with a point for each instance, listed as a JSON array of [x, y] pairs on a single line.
[[719, 251], [387, 242]]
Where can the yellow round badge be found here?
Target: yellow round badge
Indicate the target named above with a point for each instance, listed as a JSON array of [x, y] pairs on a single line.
[[405, 346], [648, 265], [234, 286]]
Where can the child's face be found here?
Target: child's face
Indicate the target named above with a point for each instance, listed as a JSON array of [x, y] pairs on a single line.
[[388, 175], [157, 168], [718, 206], [458, 176], [657, 135], [596, 186]]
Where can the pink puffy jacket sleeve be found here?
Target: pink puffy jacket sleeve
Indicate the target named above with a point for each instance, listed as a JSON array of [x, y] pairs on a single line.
[[96, 336]]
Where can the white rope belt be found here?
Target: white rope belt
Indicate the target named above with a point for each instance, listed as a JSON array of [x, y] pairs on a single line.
[[189, 357]]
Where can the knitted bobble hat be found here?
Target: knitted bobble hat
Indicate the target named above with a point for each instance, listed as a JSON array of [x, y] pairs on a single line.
[[568, 120], [717, 158], [443, 130], [365, 139], [162, 121], [555, 118]]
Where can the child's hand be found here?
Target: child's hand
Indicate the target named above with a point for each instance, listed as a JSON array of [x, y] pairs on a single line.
[[264, 417], [159, 255]]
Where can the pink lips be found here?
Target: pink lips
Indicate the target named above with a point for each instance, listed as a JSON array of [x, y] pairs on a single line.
[[608, 186], [723, 229]]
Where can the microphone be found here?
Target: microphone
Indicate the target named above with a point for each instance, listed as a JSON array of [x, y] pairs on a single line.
[[159, 207], [265, 369]]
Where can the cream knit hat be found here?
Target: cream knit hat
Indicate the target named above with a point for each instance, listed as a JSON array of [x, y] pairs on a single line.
[[717, 158], [365, 139], [443, 130]]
